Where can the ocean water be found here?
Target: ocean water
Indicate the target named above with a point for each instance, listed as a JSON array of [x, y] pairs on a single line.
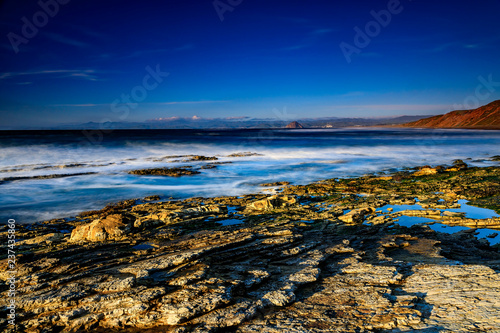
[[297, 156]]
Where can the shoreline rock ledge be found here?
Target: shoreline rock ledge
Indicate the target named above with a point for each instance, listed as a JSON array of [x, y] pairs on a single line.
[[315, 258]]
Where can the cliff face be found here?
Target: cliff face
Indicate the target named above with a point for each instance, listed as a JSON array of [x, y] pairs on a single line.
[[487, 116], [294, 124]]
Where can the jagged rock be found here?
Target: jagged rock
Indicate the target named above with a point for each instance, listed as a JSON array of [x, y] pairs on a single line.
[[281, 297], [448, 291], [272, 202], [171, 172], [453, 214], [232, 315], [47, 239], [203, 158], [424, 171], [275, 184], [170, 215], [187, 303], [112, 227], [152, 198], [256, 277], [356, 215], [294, 124], [244, 154]]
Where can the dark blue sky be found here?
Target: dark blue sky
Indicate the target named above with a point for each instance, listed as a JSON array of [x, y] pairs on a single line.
[[265, 59]]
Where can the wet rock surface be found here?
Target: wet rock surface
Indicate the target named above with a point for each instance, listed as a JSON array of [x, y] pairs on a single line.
[[11, 179], [186, 170], [316, 258], [246, 154], [171, 172]]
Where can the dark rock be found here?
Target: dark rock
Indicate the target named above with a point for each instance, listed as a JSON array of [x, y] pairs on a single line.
[[171, 172], [294, 124], [244, 154]]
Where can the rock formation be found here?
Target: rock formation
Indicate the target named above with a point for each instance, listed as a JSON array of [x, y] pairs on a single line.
[[171, 172], [294, 124]]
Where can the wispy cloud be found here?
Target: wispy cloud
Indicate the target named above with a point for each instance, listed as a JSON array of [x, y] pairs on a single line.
[[196, 118], [86, 74], [310, 39], [297, 20], [377, 108], [174, 118], [352, 94], [237, 118], [81, 105], [368, 55], [65, 40], [151, 103], [485, 43], [297, 47], [441, 48], [85, 30], [188, 102], [140, 53], [184, 47], [321, 31]]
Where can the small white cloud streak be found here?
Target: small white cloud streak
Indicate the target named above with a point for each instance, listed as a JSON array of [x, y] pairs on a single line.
[[392, 107], [153, 103], [187, 102], [85, 74], [65, 40]]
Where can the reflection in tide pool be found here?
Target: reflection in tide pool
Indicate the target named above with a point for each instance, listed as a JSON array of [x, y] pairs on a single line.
[[473, 212], [493, 236], [408, 221], [144, 246], [230, 222], [398, 208]]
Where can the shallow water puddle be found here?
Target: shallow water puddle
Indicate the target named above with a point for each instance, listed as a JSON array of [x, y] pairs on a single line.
[[480, 233], [143, 246], [470, 212], [488, 233], [230, 222], [233, 209], [408, 221], [398, 208], [473, 212]]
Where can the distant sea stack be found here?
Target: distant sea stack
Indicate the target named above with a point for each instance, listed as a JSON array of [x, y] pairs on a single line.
[[294, 124], [484, 117]]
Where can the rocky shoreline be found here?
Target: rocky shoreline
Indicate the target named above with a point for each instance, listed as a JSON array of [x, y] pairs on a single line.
[[324, 257]]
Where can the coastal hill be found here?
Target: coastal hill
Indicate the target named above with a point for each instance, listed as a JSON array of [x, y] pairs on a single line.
[[294, 124], [485, 117]]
